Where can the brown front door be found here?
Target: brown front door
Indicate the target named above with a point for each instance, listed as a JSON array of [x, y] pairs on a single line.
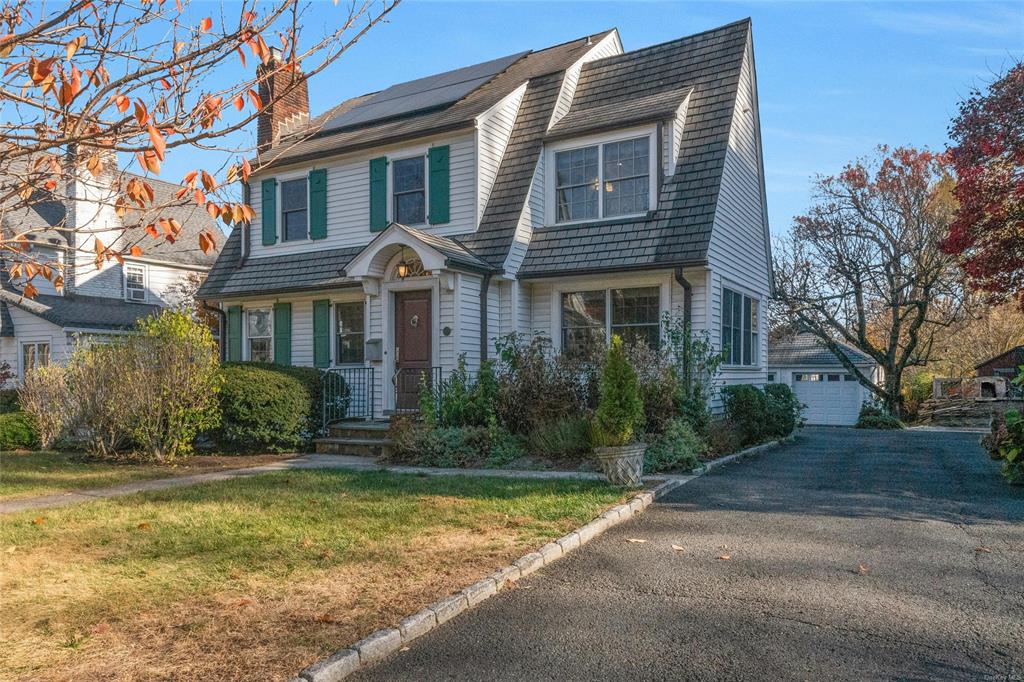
[[413, 346]]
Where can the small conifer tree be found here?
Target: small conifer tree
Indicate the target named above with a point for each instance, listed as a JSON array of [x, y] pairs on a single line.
[[621, 409]]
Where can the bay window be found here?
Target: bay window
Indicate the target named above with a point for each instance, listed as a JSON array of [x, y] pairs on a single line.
[[740, 329], [349, 332], [590, 318], [603, 180], [260, 335]]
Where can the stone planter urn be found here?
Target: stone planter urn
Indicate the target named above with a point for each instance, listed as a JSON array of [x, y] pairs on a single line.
[[623, 464]]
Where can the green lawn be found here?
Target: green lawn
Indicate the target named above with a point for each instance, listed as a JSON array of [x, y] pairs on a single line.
[[285, 567], [27, 474]]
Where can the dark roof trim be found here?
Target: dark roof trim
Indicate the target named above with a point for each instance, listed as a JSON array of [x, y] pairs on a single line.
[[668, 265], [468, 126], [1013, 351]]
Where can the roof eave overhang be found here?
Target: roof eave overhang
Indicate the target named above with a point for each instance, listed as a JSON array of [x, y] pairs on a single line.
[[370, 143], [614, 268]]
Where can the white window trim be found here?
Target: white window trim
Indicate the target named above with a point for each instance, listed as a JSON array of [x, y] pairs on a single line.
[[551, 203], [145, 282], [405, 155], [48, 340], [638, 282], [743, 291], [334, 329], [281, 179], [246, 350]]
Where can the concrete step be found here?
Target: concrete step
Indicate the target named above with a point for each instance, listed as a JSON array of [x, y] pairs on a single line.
[[359, 429], [359, 447]]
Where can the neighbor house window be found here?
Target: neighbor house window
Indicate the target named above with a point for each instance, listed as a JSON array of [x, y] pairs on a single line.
[[740, 329], [294, 209], [603, 181], [260, 335], [135, 283], [590, 318], [34, 356], [349, 342], [409, 190]]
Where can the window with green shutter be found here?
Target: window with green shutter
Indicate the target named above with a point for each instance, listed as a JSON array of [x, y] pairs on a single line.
[[438, 209], [234, 333], [318, 203], [268, 215], [378, 193], [283, 333], [321, 333]]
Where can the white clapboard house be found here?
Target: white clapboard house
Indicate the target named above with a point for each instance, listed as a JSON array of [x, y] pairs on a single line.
[[575, 191]]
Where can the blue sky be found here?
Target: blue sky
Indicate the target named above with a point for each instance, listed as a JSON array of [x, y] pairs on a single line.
[[835, 79]]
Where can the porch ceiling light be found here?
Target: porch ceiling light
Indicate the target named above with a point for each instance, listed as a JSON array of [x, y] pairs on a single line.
[[402, 269]]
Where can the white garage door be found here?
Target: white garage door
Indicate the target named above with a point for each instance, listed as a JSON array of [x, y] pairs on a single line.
[[832, 399]]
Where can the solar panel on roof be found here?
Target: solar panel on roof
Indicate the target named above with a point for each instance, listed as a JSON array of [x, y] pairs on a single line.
[[423, 93]]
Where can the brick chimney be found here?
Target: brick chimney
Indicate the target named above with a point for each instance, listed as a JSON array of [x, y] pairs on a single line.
[[291, 107]]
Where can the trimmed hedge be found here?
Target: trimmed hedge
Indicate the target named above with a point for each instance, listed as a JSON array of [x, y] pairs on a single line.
[[873, 417], [267, 407], [761, 414], [18, 432]]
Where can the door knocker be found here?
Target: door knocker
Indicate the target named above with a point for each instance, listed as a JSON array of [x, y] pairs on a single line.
[[414, 321]]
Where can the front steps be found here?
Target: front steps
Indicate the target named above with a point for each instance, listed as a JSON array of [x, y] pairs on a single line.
[[359, 438]]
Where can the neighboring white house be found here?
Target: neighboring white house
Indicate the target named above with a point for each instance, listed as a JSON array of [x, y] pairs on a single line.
[[575, 192], [93, 301], [832, 394]]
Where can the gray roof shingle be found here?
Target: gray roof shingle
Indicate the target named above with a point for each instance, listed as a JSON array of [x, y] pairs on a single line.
[[677, 231], [805, 349], [83, 312], [314, 141]]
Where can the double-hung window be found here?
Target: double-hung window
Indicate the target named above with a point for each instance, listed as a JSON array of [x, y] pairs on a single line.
[[135, 283], [349, 334], [34, 356], [294, 210], [590, 318], [740, 316], [409, 189], [603, 181], [260, 335]]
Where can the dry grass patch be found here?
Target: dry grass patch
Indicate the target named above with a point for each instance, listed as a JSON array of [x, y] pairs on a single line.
[[253, 579], [27, 474]]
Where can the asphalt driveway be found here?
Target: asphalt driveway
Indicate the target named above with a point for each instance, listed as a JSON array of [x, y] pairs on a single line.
[[852, 555]]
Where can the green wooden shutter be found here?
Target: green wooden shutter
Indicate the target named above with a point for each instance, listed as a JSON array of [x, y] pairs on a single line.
[[234, 332], [269, 214], [439, 185], [283, 333], [318, 204], [321, 333], [378, 193]]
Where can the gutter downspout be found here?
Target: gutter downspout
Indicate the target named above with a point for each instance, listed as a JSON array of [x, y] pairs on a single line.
[[688, 333], [484, 286], [222, 326]]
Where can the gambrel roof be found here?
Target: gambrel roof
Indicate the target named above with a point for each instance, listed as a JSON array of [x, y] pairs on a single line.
[[707, 67], [642, 86]]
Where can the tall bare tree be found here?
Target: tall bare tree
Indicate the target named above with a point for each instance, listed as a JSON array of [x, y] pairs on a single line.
[[87, 81], [864, 265]]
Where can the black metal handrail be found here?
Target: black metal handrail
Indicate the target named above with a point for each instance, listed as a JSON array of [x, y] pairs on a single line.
[[347, 393], [411, 380]]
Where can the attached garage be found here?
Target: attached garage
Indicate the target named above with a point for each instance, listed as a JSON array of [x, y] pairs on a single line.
[[832, 394]]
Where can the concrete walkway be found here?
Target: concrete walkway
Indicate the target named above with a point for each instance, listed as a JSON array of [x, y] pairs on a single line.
[[301, 462]]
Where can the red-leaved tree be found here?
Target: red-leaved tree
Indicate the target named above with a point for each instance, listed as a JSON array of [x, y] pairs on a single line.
[[988, 158], [87, 83]]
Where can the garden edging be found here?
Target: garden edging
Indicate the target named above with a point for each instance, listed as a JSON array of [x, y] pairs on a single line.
[[387, 641]]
